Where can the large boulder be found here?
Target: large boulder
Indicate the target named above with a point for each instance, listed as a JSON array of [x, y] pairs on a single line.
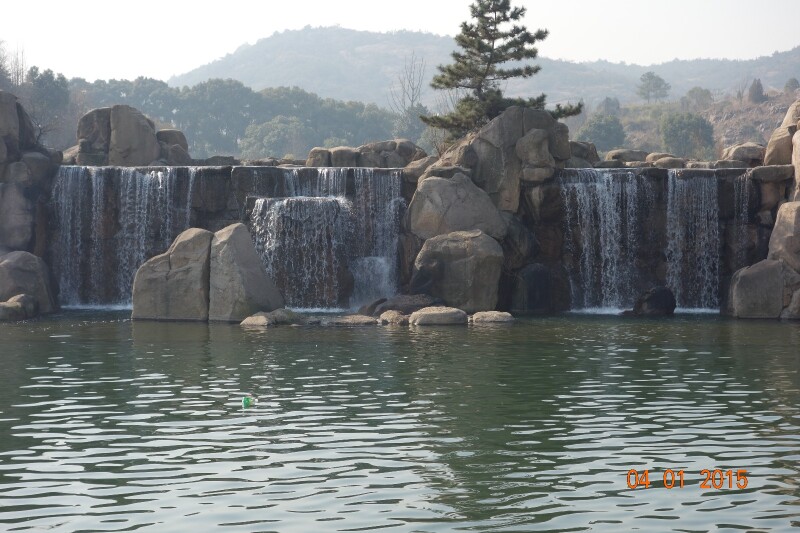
[[172, 137], [762, 290], [94, 129], [464, 269], [784, 243], [442, 206], [175, 284], [239, 285], [405, 304], [792, 116], [626, 155], [133, 138], [779, 147], [752, 154], [319, 157], [24, 273]]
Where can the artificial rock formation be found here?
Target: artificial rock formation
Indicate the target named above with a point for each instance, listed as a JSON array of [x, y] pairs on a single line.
[[175, 284], [395, 153], [205, 276], [462, 268], [26, 173], [658, 301], [239, 285], [771, 288], [122, 136], [24, 273], [521, 145], [750, 153], [442, 206]]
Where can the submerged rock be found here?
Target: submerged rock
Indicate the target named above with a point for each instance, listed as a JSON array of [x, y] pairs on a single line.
[[278, 317], [438, 316], [350, 320], [658, 301], [393, 318], [490, 317]]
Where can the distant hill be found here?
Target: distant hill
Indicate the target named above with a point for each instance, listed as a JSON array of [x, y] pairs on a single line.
[[360, 65]]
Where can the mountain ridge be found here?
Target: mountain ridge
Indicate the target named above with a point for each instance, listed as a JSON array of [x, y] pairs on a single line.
[[361, 65]]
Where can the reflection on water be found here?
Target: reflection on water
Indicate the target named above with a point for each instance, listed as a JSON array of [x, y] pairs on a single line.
[[108, 425]]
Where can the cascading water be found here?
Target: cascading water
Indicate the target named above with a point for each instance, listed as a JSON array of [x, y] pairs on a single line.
[[303, 241], [314, 242], [378, 209], [604, 213], [741, 219], [693, 240], [109, 220]]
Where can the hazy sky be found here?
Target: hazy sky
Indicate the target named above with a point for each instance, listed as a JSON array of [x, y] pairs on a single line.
[[158, 38]]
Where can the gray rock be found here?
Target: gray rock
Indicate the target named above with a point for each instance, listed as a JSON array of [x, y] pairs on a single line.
[[9, 125], [414, 170], [175, 285], [350, 320], [95, 127], [465, 269], [442, 206], [779, 147], [406, 303], [16, 217], [774, 173], [133, 138], [784, 243], [670, 162], [173, 137], [319, 157], [438, 316], [626, 155], [584, 150], [393, 318], [491, 317], [279, 317], [752, 154], [239, 285], [24, 273], [757, 291], [344, 156]]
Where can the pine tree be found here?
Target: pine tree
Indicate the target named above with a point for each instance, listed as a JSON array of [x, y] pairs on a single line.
[[493, 38]]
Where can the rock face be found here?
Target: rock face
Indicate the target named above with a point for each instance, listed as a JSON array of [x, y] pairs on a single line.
[[26, 173], [658, 301], [175, 284], [123, 136], [521, 145], [396, 153], [444, 205], [771, 288], [239, 285], [24, 273], [463, 268], [752, 154], [784, 244], [759, 291], [438, 316]]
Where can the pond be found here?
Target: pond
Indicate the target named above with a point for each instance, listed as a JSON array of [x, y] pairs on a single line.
[[113, 425]]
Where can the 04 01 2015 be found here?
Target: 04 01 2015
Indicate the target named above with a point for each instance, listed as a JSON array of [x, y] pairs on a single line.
[[710, 479]]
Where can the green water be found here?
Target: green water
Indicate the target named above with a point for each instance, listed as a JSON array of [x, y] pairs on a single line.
[[108, 425]]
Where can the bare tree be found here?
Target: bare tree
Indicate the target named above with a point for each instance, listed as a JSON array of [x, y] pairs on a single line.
[[741, 89], [405, 93]]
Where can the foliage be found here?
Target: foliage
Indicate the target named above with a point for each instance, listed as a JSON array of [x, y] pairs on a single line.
[[652, 87], [493, 39], [281, 136], [605, 131], [608, 106], [697, 99], [687, 135], [756, 92], [791, 86]]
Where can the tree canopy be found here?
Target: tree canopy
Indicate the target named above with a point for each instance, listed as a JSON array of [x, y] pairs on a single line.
[[687, 135], [605, 131], [493, 38], [652, 87]]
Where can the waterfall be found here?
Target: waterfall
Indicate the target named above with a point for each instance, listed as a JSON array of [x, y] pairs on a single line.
[[322, 248], [378, 210], [108, 221], [693, 240], [741, 219], [303, 241], [604, 215]]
